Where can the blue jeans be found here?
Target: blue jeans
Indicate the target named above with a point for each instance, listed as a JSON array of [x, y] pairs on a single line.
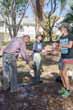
[[9, 71]]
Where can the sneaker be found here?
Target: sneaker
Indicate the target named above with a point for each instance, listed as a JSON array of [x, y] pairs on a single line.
[[65, 94], [62, 90]]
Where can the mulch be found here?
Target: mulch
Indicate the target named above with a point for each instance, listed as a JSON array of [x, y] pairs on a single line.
[[44, 97]]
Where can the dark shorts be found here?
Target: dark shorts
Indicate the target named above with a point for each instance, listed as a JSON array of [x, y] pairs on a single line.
[[65, 63], [61, 64]]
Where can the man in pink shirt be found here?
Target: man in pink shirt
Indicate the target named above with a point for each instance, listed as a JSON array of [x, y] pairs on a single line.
[[11, 52]]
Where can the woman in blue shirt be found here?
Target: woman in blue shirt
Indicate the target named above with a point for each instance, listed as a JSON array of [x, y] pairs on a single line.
[[66, 43]]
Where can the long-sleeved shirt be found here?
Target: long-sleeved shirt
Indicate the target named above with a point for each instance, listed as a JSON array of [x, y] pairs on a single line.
[[16, 47]]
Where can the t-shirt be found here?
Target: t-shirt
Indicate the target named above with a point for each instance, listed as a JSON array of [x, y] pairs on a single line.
[[66, 53]]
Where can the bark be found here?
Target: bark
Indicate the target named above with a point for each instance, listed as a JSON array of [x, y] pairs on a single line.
[[14, 18], [37, 7]]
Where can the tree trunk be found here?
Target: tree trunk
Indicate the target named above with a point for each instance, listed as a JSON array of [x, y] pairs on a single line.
[[37, 24], [37, 6], [14, 18], [50, 36]]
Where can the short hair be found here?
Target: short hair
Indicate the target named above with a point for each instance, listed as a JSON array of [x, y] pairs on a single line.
[[66, 26], [26, 36], [39, 34]]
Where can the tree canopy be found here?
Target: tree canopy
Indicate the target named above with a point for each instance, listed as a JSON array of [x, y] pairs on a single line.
[[12, 12]]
